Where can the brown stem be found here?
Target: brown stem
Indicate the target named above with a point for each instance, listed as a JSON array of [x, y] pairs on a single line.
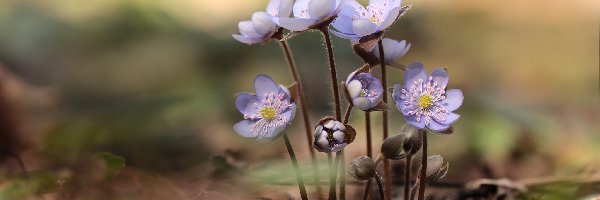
[[347, 113], [21, 165], [386, 163], [369, 150], [367, 189], [342, 175], [304, 109], [378, 180], [407, 177], [332, 69], [423, 167], [296, 167]]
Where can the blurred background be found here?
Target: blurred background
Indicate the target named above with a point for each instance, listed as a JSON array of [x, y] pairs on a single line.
[[133, 99]]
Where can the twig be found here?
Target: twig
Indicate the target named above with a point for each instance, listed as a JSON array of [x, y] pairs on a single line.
[[296, 167], [386, 164]]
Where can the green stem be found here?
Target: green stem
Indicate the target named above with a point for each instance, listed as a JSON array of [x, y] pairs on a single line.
[[296, 167]]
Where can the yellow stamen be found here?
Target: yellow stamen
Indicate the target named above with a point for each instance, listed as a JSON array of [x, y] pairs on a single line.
[[425, 101], [268, 113]]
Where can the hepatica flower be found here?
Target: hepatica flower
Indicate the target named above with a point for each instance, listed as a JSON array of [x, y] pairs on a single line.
[[332, 136], [267, 112], [310, 14], [392, 49], [261, 27], [424, 100], [355, 21], [365, 91]]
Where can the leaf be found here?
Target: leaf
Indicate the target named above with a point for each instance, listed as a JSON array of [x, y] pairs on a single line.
[[114, 163]]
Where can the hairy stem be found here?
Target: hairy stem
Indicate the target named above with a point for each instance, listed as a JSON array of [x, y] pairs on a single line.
[[333, 174], [342, 175], [369, 151], [407, 177], [296, 167], [332, 70], [347, 113], [386, 163], [367, 190], [380, 185], [304, 109], [423, 167]]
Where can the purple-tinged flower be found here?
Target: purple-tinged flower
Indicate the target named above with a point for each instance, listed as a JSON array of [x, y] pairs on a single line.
[[424, 100], [309, 14], [392, 49], [267, 112], [332, 136], [355, 21], [364, 90], [261, 27]]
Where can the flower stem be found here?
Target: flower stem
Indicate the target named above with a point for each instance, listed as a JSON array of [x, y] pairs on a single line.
[[378, 180], [21, 165], [333, 165], [407, 177], [369, 151], [423, 168], [386, 163], [296, 167], [304, 109], [332, 69], [347, 113], [342, 175]]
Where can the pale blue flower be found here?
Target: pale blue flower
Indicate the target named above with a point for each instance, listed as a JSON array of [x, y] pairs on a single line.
[[310, 13], [424, 101], [266, 113], [261, 27], [332, 136], [392, 49], [365, 91], [355, 21]]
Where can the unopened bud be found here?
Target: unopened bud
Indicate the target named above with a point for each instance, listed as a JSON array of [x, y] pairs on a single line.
[[413, 141], [362, 168], [392, 147], [436, 168]]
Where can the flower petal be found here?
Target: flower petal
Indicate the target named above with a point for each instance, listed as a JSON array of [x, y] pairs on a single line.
[[437, 127], [414, 72], [363, 27], [290, 113], [396, 93], [454, 99], [362, 103], [343, 24], [354, 88], [350, 7], [247, 29], [390, 18], [263, 85], [301, 6], [401, 49], [248, 39], [246, 103], [440, 76], [244, 128], [280, 8], [344, 35], [263, 23], [319, 9], [295, 24], [451, 118], [412, 120]]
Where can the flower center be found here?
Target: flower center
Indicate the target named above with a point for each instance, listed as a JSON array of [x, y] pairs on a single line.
[[425, 101], [363, 93], [268, 113], [374, 20]]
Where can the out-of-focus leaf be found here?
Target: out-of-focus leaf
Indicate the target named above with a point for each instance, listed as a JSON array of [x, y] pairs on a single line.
[[113, 163]]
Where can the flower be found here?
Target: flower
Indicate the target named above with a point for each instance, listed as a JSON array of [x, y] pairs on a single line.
[[261, 27], [267, 112], [332, 136], [365, 91], [424, 100], [310, 14], [392, 49], [356, 21]]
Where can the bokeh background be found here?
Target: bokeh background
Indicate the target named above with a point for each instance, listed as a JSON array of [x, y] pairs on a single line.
[[87, 86]]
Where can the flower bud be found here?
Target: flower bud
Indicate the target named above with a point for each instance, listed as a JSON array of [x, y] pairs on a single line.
[[362, 168], [414, 139], [332, 136], [392, 146], [436, 169]]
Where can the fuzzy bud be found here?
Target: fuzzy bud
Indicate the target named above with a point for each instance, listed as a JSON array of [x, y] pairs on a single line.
[[332, 136], [436, 168], [414, 139], [392, 147], [362, 168]]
